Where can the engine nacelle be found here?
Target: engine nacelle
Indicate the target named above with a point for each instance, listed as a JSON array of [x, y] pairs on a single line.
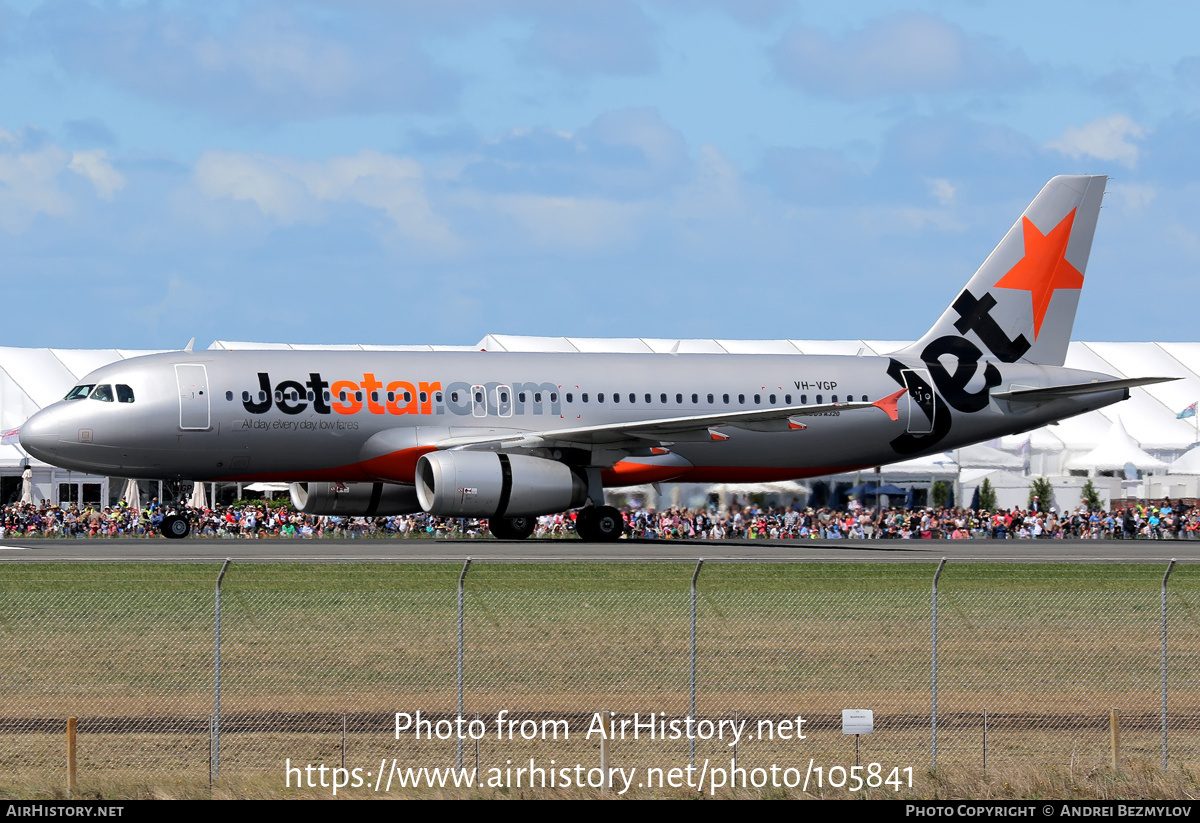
[[355, 499], [486, 484]]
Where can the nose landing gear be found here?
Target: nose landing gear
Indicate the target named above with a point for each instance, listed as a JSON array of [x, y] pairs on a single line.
[[175, 527]]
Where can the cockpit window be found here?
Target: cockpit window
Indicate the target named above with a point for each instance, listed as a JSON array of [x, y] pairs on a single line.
[[80, 392], [124, 394], [102, 392]]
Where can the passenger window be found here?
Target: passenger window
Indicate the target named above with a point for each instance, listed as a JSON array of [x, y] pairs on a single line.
[[583, 397], [408, 396], [818, 399], [342, 396], [864, 398], [228, 395], [311, 397], [245, 397], [710, 399], [358, 396], [262, 396], [424, 397], [787, 399], [663, 397], [103, 392], [391, 397], [648, 397], [80, 392], [374, 396], [833, 399], [537, 397], [570, 397], [125, 394], [772, 400], [437, 395], [278, 395], [521, 397], [326, 395], [695, 399], [600, 397], [503, 397], [757, 399], [725, 397], [632, 397], [616, 397], [741, 398], [679, 398]]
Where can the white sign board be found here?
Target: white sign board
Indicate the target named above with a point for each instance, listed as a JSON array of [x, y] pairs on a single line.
[[858, 721]]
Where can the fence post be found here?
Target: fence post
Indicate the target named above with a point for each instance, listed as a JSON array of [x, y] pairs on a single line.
[[71, 727], [216, 727], [692, 679], [934, 663], [1170, 566], [461, 580]]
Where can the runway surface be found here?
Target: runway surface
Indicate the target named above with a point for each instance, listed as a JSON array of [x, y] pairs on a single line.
[[372, 550]]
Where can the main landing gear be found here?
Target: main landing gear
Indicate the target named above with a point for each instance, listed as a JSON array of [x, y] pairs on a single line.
[[512, 528], [175, 527], [599, 524]]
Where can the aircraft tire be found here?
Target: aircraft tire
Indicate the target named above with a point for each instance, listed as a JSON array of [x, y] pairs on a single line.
[[607, 524], [585, 524], [512, 528], [175, 527]]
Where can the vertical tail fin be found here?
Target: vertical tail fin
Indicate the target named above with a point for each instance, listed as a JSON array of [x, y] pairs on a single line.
[[1020, 305]]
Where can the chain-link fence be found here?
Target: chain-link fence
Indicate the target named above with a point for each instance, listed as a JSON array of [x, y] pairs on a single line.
[[316, 662]]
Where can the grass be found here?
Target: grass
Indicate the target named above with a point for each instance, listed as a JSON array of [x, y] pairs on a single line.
[[1047, 649]]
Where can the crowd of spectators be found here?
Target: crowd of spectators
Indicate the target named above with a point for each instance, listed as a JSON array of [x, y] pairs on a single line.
[[259, 519]]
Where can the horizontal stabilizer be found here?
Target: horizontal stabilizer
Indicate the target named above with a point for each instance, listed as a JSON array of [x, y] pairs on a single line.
[[1043, 395]]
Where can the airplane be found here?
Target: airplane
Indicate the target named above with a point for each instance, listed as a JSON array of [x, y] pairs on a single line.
[[512, 436]]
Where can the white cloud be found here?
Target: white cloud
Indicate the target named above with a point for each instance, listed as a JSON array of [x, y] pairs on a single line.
[[29, 185], [291, 191], [1134, 196], [95, 167], [907, 53], [1105, 138], [942, 190]]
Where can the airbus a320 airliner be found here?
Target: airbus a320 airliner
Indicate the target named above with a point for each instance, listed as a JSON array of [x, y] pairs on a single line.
[[510, 436]]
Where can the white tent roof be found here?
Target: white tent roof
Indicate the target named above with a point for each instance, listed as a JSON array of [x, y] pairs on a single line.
[[1115, 451], [1187, 463], [939, 463], [983, 456]]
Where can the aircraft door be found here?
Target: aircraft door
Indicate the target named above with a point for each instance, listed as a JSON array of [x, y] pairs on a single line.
[[479, 401], [504, 405], [921, 408], [192, 380]]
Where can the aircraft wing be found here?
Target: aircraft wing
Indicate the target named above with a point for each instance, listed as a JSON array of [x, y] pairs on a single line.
[[690, 427], [1047, 393]]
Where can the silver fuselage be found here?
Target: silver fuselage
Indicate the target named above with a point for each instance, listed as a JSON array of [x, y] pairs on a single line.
[[281, 416]]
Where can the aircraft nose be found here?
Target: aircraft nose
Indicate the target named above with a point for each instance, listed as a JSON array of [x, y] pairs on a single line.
[[39, 435]]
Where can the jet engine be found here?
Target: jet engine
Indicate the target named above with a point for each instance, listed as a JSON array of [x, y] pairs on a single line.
[[355, 499], [486, 484]]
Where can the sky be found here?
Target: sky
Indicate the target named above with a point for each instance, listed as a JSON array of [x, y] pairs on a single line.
[[401, 171]]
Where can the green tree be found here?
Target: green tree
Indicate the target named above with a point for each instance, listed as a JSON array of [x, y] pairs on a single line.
[[1042, 489], [1091, 497], [939, 493], [987, 496]]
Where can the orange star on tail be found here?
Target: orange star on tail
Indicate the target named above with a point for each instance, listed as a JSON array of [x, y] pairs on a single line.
[[1044, 268]]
